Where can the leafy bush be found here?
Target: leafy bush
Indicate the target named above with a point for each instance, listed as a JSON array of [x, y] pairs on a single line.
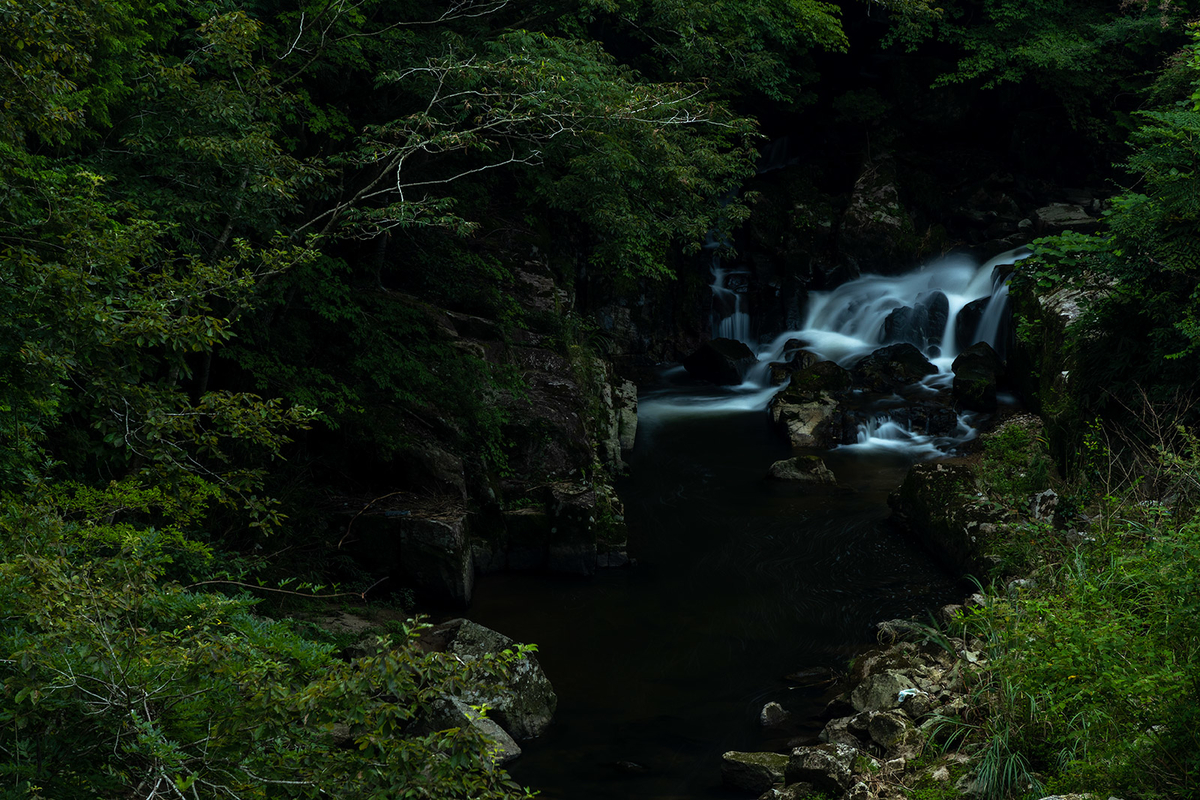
[[115, 682]]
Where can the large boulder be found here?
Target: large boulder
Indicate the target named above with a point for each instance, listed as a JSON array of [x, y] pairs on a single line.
[[453, 712], [977, 370], [966, 324], [524, 704], [922, 324], [808, 424], [881, 691], [891, 368], [814, 380], [752, 773], [721, 361], [828, 767]]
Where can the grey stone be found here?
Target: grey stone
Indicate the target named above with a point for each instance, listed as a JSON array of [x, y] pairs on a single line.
[[453, 712], [888, 728], [828, 767], [880, 692], [976, 373], [773, 715], [1059, 217], [838, 731], [525, 704], [1042, 505], [753, 773], [859, 791], [891, 368]]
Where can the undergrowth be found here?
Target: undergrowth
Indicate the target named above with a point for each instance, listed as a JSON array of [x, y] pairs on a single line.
[[1093, 669]]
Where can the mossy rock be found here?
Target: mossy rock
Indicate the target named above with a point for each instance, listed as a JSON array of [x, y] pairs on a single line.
[[811, 382], [937, 505]]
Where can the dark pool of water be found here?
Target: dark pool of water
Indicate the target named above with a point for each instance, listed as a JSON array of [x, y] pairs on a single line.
[[739, 581]]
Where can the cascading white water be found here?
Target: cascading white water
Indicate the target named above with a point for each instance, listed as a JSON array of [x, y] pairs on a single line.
[[729, 317], [850, 322]]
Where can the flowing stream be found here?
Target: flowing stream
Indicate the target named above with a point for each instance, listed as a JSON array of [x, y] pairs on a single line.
[[739, 581]]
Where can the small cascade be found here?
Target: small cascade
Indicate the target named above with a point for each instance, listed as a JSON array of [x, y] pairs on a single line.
[[729, 317], [941, 309]]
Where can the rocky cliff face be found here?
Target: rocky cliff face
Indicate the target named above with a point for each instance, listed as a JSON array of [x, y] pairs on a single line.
[[547, 503]]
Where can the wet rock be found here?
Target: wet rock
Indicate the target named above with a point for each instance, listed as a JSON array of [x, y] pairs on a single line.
[[809, 424], [895, 630], [966, 324], [921, 324], [815, 381], [523, 705], [721, 361], [773, 715], [802, 469], [752, 773], [891, 368], [880, 692], [976, 373], [796, 358], [828, 767], [932, 418]]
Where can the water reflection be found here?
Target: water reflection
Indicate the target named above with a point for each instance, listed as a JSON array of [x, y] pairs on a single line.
[[662, 667]]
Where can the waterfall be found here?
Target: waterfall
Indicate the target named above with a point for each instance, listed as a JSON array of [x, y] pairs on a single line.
[[848, 323], [729, 317]]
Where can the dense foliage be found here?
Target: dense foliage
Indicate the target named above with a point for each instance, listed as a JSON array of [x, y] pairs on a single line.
[[230, 234], [1141, 337], [222, 224]]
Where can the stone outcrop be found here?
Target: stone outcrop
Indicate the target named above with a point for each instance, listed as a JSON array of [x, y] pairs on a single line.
[[829, 767], [920, 324], [452, 712]]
